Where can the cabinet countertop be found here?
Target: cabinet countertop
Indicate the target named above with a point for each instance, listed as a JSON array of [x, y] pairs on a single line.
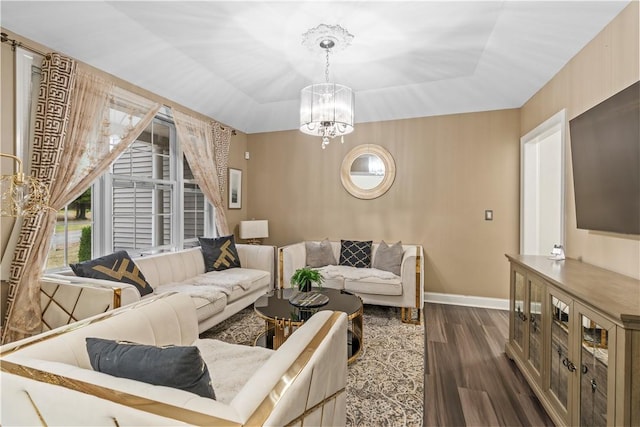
[[612, 294]]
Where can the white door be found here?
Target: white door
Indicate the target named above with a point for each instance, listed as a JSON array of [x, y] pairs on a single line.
[[542, 187]]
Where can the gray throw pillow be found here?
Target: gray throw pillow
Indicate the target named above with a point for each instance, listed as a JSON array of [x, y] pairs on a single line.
[[179, 367], [389, 258], [319, 254]]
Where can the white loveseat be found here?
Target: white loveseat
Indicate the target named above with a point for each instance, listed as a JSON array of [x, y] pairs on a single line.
[[217, 294], [48, 380], [371, 285]]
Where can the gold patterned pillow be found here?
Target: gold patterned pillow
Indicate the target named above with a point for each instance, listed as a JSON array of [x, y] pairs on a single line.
[[117, 267], [219, 253]]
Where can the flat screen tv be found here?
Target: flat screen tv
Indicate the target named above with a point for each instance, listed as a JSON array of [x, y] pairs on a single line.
[[605, 155]]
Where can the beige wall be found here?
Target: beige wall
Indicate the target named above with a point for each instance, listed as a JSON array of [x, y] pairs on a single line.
[[449, 170], [608, 64]]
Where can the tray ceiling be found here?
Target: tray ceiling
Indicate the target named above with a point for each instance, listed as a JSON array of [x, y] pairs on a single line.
[[242, 62]]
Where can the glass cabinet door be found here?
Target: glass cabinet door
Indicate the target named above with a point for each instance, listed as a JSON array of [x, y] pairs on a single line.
[[536, 295], [596, 338], [560, 366], [519, 317]]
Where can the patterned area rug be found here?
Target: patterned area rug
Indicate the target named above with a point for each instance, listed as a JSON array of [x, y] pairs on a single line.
[[385, 386]]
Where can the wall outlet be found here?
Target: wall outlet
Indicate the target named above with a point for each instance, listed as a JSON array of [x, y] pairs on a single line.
[[246, 155], [488, 215]]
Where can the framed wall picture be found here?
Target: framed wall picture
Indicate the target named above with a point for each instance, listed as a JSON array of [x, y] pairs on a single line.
[[235, 188]]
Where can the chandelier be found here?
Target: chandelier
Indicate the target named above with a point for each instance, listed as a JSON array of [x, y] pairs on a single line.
[[21, 195], [326, 109]]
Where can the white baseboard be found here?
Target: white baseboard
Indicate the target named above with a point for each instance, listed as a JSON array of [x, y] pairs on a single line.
[[467, 300]]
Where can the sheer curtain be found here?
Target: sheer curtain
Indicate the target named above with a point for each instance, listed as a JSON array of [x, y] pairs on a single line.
[[81, 128], [198, 139]]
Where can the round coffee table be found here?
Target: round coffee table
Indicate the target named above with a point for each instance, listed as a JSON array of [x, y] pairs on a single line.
[[282, 318]]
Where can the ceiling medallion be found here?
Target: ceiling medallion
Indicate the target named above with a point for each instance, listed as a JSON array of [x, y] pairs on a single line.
[[327, 109], [317, 39]]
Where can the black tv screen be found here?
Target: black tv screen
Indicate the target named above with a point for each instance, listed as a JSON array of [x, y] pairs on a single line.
[[605, 155]]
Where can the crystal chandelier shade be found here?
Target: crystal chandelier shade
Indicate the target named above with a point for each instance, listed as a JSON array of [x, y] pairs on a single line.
[[327, 109]]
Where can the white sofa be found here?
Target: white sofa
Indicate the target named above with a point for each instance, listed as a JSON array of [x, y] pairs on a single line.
[[371, 285], [217, 294], [48, 380]]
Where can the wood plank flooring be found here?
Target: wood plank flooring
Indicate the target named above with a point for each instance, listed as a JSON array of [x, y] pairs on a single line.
[[469, 381]]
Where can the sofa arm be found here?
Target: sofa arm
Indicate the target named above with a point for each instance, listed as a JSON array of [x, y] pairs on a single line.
[[258, 257], [63, 302], [304, 381], [128, 293], [412, 275], [290, 258]]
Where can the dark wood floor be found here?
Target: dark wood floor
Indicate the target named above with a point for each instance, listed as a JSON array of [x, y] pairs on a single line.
[[469, 381]]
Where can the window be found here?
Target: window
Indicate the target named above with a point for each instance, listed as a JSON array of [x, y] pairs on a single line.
[[71, 241], [143, 191], [149, 201], [196, 209]]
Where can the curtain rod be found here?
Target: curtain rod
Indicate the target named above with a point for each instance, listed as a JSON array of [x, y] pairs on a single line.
[[224, 127], [4, 38]]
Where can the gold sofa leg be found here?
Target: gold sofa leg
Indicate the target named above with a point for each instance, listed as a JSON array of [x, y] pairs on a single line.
[[411, 315]]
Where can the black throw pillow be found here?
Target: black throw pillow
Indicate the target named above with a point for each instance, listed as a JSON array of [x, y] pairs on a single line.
[[117, 267], [179, 367], [355, 253], [219, 253]]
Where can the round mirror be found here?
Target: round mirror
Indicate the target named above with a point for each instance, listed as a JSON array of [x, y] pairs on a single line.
[[368, 171]]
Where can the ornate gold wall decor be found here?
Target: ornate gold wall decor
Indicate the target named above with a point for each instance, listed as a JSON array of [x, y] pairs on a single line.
[[20, 194]]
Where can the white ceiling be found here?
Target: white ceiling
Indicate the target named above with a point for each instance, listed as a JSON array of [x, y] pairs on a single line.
[[242, 62]]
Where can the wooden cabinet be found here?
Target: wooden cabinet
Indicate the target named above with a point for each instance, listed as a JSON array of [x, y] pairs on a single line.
[[526, 320], [574, 332]]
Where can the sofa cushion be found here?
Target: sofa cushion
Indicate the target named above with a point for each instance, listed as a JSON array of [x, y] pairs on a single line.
[[168, 267], [206, 309], [207, 305], [179, 367], [374, 286], [259, 279], [116, 267], [389, 258], [319, 254], [219, 253], [355, 253], [230, 284]]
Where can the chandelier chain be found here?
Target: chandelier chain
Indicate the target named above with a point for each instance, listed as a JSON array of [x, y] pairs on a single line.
[[326, 71]]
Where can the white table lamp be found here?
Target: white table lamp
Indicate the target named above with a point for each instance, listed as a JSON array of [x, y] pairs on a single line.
[[254, 230]]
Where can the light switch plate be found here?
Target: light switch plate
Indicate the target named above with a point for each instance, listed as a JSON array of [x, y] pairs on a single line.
[[488, 215]]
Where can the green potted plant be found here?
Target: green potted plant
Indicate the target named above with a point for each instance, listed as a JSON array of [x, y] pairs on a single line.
[[304, 278]]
